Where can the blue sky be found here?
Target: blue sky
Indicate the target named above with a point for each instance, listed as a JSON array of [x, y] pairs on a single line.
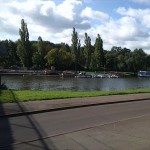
[[124, 23], [110, 6]]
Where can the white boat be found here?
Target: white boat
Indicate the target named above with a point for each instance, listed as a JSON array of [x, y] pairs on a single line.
[[106, 76], [114, 76], [144, 74], [83, 75]]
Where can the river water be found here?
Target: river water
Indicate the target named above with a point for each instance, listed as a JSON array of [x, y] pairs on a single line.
[[74, 84]]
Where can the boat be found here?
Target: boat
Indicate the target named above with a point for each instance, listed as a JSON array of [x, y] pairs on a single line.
[[114, 76], [106, 76], [102, 76], [144, 74], [67, 73], [83, 75]]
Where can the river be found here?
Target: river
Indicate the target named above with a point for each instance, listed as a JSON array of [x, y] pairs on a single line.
[[74, 84]]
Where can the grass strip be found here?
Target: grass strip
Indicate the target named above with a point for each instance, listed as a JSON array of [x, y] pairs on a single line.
[[10, 96]]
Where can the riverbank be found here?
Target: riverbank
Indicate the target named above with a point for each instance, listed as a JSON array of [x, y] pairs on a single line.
[[12, 96], [65, 73]]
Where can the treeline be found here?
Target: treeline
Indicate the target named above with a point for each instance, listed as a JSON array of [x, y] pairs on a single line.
[[43, 54]]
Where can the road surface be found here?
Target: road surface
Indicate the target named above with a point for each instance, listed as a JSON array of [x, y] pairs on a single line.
[[22, 131]]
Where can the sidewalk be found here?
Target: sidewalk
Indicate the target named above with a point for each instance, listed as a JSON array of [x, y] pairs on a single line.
[[24, 108]]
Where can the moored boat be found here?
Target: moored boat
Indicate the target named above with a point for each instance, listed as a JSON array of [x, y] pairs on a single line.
[[83, 75], [144, 74]]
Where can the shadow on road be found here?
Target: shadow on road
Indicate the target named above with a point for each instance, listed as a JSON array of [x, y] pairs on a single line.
[[6, 135], [8, 128]]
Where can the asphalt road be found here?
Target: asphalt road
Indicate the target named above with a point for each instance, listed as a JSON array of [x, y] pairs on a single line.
[[37, 127]]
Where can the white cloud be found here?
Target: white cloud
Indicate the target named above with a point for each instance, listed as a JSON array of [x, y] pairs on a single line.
[[54, 22], [126, 31], [68, 8], [89, 13], [51, 17], [143, 15], [47, 7]]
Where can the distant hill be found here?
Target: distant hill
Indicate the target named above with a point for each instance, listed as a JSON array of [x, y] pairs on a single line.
[[3, 49]]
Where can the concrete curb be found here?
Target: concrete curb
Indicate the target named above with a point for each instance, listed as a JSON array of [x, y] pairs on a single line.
[[69, 107]]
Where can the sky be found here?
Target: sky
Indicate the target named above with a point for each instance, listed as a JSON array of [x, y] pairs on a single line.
[[124, 23]]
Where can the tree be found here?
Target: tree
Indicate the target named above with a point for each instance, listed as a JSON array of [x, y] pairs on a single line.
[[3, 55], [59, 58], [87, 51], [130, 62], [111, 58], [74, 47], [99, 52], [12, 58], [148, 62], [65, 47], [24, 48], [123, 59], [111, 61], [94, 62], [139, 57], [52, 57], [38, 57], [97, 60]]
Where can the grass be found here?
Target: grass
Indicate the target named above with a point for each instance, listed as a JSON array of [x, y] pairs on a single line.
[[9, 96]]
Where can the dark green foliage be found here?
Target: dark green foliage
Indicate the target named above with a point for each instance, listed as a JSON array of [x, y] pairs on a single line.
[[8, 56], [60, 58], [43, 54], [139, 57], [74, 47], [12, 58], [24, 48], [97, 59], [39, 54], [3, 55], [3, 49], [119, 59], [87, 51]]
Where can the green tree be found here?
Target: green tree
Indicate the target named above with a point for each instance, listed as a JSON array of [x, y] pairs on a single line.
[[52, 57], [24, 48], [123, 58], [139, 57], [147, 62], [130, 62], [12, 55], [59, 58], [65, 47], [111, 58], [65, 56], [94, 62], [41, 52], [111, 61], [87, 51], [74, 47], [38, 57], [99, 52], [3, 55], [97, 60]]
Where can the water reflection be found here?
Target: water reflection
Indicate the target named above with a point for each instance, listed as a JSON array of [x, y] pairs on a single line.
[[73, 84]]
